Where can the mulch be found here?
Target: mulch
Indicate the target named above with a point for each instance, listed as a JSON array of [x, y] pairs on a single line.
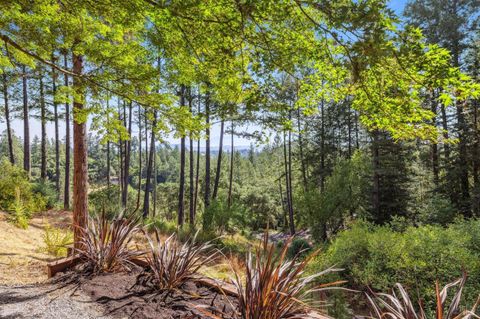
[[121, 296]]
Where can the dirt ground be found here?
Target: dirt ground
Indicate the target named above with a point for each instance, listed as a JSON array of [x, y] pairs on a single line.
[[22, 260]]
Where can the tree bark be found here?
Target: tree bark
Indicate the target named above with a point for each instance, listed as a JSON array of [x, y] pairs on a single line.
[[230, 178], [302, 157], [66, 195], [139, 188], [376, 175], [7, 119], [290, 212], [219, 160], [43, 129], [435, 167], [181, 190], [207, 152], [80, 162], [57, 139], [146, 199], [191, 172], [26, 126]]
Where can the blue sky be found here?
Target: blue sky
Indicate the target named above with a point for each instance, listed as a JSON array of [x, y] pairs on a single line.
[[396, 5]]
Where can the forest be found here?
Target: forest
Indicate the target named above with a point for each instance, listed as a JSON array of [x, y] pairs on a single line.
[[253, 159]]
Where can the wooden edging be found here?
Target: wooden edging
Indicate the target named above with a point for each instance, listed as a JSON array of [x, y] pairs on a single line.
[[217, 285]]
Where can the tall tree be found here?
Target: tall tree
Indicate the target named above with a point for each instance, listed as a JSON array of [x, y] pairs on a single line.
[[66, 192], [7, 118], [181, 189], [43, 124], [207, 151], [219, 160], [57, 134], [26, 125]]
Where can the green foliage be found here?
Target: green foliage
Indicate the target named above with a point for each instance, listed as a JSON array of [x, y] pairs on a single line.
[[56, 241], [107, 199], [342, 196], [160, 224], [221, 218], [13, 178], [299, 247], [47, 192], [18, 214], [378, 257]]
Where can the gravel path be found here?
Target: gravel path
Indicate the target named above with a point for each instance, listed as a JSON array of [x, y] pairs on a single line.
[[49, 301]]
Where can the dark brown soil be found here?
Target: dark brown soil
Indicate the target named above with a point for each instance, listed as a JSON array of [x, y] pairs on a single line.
[[121, 297]]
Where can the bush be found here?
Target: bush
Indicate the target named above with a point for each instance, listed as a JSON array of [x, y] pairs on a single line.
[[18, 215], [46, 191], [108, 200], [221, 218], [299, 247], [56, 241], [379, 257], [13, 178]]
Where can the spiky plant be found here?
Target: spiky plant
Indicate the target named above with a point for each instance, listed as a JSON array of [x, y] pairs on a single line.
[[275, 287], [398, 304], [106, 244], [172, 263]]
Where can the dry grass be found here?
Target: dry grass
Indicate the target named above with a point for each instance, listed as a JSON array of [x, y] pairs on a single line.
[[21, 258]]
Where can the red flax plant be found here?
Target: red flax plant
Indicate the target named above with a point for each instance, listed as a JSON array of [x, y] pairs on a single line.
[[275, 287], [398, 305], [105, 244], [171, 263]]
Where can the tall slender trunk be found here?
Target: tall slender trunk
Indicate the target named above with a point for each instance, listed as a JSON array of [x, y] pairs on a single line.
[[302, 157], [357, 132], [288, 184], [57, 134], [322, 147], [434, 148], [139, 188], [376, 175], [80, 163], [349, 126], [66, 195], [230, 178], [181, 189], [462, 161], [207, 151], [219, 160], [146, 199], [7, 119], [290, 192], [26, 126], [128, 148], [108, 144], [154, 193], [43, 129], [476, 160], [191, 172], [197, 179]]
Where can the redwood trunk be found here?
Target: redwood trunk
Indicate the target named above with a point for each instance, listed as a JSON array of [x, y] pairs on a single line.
[[66, 195], [80, 167]]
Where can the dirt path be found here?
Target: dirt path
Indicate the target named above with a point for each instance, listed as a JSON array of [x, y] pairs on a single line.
[[46, 302], [21, 258]]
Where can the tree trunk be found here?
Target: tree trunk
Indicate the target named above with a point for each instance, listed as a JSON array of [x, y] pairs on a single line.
[[26, 126], [7, 120], [66, 195], [376, 175], [181, 189], [127, 152], [291, 220], [191, 172], [197, 178], [207, 152], [80, 163], [322, 147], [146, 199], [219, 160], [435, 168], [302, 157], [462, 161], [108, 144], [139, 156], [288, 185], [230, 178], [57, 139], [43, 129]]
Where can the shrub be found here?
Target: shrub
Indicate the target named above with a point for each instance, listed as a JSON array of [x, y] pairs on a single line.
[[108, 200], [221, 218], [275, 287], [18, 214], [160, 224], [378, 257], [172, 264], [13, 178], [299, 247], [46, 191], [105, 243], [56, 241]]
